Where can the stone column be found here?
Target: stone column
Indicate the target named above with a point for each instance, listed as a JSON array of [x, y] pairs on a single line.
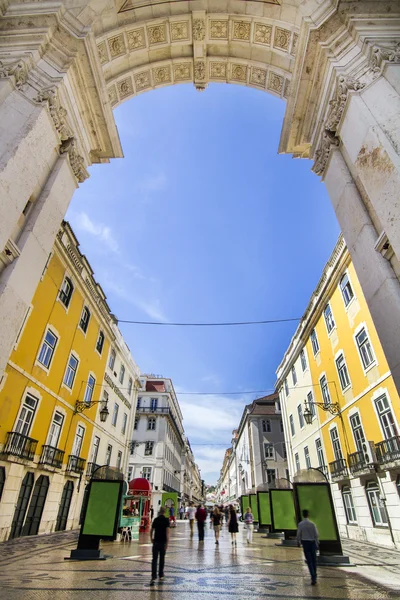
[[377, 278]]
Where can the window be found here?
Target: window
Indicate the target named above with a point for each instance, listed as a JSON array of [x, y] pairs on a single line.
[[281, 425], [100, 342], [342, 372], [115, 415], [119, 459], [77, 445], [70, 373], [376, 505], [66, 292], [85, 318], [266, 425], [148, 448], [151, 423], [311, 404], [329, 320], [337, 450], [286, 388], [358, 434], [153, 403], [47, 350], [325, 390], [24, 422], [146, 473], [365, 348], [269, 451], [139, 400], [55, 429], [124, 421], [95, 449], [271, 476], [314, 342], [303, 360], [307, 457], [297, 461], [122, 374], [294, 376], [111, 360], [347, 291], [348, 505], [386, 417], [320, 452], [135, 426], [130, 385], [89, 389], [291, 421], [108, 455], [300, 415]]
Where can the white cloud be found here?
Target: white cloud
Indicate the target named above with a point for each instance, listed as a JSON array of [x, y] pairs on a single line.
[[102, 232]]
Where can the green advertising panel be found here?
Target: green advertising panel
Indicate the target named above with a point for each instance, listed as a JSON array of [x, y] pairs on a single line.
[[264, 509], [316, 499], [283, 513], [103, 509], [170, 499], [253, 506], [245, 502]]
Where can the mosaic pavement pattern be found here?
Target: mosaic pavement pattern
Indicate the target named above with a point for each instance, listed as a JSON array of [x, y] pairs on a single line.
[[35, 569]]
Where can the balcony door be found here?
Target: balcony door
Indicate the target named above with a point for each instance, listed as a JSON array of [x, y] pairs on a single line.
[[36, 506], [25, 418], [386, 417], [77, 446], [359, 437], [65, 505], [337, 450], [55, 430], [22, 505]]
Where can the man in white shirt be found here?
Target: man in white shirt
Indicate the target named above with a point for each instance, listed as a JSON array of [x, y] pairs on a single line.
[[307, 536], [191, 511]]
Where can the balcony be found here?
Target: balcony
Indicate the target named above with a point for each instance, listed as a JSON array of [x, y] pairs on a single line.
[[324, 470], [51, 456], [149, 410], [20, 445], [388, 452], [364, 461], [91, 467], [75, 464], [338, 469]]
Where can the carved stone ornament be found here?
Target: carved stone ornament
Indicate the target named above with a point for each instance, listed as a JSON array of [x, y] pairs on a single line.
[[76, 161], [344, 85], [199, 70], [262, 34], [17, 69], [199, 30], [182, 71], [380, 55], [328, 139], [57, 112]]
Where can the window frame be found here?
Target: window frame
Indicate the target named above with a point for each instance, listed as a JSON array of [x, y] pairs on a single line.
[[314, 338], [341, 370], [346, 304], [147, 474], [271, 450], [60, 413], [27, 408], [82, 322], [329, 319], [294, 375], [297, 461], [114, 419], [111, 359], [136, 423], [148, 448], [266, 425], [286, 388], [336, 443], [349, 509], [70, 369], [107, 460], [152, 420], [291, 425], [124, 423], [320, 452], [101, 338], [121, 375], [130, 386], [41, 364], [88, 386], [372, 488], [363, 328], [119, 459], [307, 457], [300, 416], [63, 297], [327, 400], [303, 360]]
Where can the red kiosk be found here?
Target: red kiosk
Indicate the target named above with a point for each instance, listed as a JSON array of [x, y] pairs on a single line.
[[139, 494]]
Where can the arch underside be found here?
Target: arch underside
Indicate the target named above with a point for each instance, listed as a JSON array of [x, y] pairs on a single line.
[[247, 50]]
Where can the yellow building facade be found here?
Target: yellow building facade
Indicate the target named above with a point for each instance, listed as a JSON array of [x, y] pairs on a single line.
[[59, 359], [344, 421]]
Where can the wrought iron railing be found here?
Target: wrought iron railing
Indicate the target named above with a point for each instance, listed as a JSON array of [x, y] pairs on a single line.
[[324, 470], [91, 467], [51, 456], [338, 468], [20, 445], [388, 450], [75, 464]]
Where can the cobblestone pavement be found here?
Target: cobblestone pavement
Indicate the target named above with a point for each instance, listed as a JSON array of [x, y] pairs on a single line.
[[35, 569]]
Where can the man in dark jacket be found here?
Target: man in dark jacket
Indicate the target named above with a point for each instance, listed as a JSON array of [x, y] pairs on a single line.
[[160, 536], [201, 516]]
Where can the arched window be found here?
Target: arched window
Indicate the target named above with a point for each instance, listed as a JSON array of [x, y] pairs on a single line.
[[100, 342], [122, 374], [85, 318], [111, 361], [376, 505], [348, 505], [66, 291], [130, 384], [347, 290]]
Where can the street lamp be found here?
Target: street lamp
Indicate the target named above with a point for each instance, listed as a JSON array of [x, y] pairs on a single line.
[[81, 406], [332, 408]]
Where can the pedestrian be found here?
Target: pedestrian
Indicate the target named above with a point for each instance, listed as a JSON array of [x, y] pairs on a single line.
[[181, 511], [233, 526], [249, 519], [160, 536], [172, 516], [226, 511], [307, 536], [151, 512], [191, 513], [216, 519], [201, 516]]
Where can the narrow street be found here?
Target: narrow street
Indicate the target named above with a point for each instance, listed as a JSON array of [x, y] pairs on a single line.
[[34, 569]]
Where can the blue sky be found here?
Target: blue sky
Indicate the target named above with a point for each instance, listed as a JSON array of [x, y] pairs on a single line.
[[204, 221]]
